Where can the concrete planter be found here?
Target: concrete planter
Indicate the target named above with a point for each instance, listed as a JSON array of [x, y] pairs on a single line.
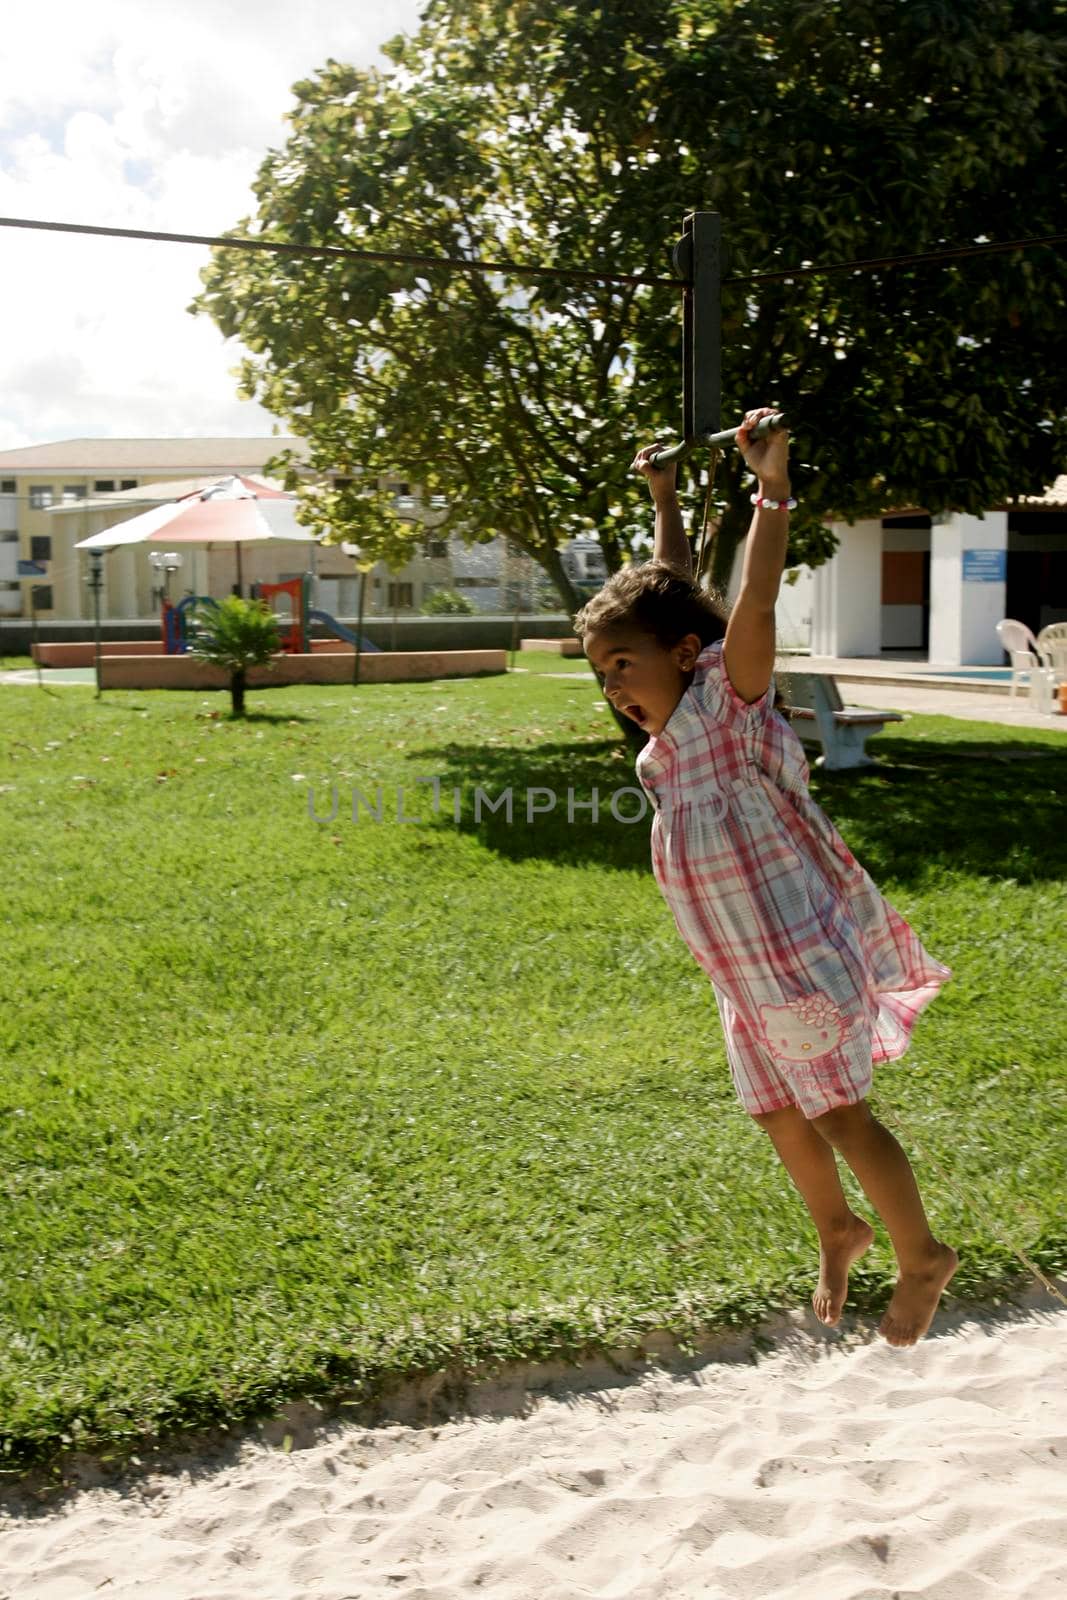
[[562, 647], [332, 666]]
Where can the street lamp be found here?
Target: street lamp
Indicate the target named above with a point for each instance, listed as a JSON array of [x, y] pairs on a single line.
[[95, 580], [164, 562], [355, 551]]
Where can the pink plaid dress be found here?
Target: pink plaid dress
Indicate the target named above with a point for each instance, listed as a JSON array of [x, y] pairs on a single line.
[[816, 976]]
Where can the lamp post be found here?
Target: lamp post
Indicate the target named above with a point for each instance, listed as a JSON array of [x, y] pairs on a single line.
[[514, 572], [164, 562], [356, 552], [95, 580]]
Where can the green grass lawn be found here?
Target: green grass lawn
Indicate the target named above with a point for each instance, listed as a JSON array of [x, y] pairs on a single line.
[[290, 1105]]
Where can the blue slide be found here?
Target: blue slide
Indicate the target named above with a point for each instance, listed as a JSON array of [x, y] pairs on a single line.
[[332, 625]]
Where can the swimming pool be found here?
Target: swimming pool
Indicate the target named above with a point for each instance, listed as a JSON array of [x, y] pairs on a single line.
[[988, 674]]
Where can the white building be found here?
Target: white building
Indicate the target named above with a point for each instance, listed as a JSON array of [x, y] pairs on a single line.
[[937, 587]]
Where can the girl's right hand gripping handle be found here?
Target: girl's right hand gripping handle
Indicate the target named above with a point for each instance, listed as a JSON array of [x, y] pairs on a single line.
[[675, 452]]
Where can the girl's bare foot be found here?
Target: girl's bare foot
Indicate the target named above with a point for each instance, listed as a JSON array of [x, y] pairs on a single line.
[[915, 1297], [836, 1255]]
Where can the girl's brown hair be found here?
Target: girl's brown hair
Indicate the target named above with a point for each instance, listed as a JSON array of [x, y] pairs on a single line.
[[659, 600]]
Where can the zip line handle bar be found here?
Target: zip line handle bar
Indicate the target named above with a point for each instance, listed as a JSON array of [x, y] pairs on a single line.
[[771, 424]]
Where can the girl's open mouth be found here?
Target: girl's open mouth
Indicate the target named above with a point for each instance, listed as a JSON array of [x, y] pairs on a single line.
[[635, 714]]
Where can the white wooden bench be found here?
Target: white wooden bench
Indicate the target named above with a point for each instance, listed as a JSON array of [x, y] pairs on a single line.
[[815, 708]]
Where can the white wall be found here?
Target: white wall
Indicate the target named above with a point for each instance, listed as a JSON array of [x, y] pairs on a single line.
[[847, 594], [792, 614], [964, 612]]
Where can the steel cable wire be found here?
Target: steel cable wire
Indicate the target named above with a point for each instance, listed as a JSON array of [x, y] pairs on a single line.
[[518, 269]]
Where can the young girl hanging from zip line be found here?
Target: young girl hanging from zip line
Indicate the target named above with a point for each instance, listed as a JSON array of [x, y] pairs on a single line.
[[815, 975]]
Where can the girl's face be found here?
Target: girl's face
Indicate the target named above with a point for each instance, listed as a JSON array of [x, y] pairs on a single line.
[[642, 679]]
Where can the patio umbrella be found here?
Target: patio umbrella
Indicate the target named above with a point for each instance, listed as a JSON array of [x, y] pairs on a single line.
[[234, 510]]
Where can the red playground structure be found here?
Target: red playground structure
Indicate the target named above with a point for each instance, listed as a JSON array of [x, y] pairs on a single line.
[[294, 620], [293, 637]]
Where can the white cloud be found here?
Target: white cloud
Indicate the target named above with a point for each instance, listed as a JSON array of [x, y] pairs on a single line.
[[115, 115]]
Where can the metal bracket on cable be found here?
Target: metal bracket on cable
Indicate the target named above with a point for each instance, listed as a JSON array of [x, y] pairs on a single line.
[[698, 259]]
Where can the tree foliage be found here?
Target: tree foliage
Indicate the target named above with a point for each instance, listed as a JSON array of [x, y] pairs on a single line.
[[446, 602], [577, 135]]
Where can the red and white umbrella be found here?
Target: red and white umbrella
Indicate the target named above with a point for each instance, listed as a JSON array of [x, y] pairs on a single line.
[[233, 511]]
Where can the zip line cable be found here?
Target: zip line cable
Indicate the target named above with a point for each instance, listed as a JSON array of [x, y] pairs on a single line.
[[957, 252], [516, 269], [397, 257]]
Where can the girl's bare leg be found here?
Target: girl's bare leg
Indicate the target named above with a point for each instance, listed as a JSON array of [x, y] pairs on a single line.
[[843, 1236], [885, 1174]]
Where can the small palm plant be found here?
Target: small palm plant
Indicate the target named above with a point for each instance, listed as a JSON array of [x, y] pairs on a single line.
[[236, 635]]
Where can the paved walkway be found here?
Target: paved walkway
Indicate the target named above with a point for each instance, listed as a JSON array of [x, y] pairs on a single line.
[[970, 706], [885, 684], [992, 703], [51, 675]]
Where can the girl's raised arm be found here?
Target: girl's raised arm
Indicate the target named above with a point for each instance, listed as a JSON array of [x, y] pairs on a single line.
[[748, 649], [670, 542]]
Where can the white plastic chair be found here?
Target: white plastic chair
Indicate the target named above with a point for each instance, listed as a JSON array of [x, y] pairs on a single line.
[[1051, 646], [1023, 650]]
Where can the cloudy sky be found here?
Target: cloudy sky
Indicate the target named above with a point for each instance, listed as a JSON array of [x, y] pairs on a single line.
[[125, 115]]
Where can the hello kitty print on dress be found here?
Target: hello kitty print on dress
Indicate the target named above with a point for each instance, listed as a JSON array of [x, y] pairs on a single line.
[[802, 1030]]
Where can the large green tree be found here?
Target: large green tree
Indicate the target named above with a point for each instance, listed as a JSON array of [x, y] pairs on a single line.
[[577, 136]]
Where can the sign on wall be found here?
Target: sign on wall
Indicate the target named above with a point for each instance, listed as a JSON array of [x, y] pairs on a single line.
[[985, 566]]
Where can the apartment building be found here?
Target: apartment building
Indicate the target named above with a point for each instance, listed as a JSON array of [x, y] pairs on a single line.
[[53, 495], [37, 548]]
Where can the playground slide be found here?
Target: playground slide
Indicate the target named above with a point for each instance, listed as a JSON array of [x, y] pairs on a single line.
[[332, 625]]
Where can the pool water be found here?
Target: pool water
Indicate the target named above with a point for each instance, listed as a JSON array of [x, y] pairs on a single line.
[[988, 674]]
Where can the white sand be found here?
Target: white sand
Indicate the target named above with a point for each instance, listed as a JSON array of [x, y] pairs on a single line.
[[834, 1468]]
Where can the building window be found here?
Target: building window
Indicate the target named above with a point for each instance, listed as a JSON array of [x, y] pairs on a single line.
[[41, 547], [104, 486], [8, 486], [128, 483], [436, 548], [42, 495], [72, 493], [342, 483], [401, 595]]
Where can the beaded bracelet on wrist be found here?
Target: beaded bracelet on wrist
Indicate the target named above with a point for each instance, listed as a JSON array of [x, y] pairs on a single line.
[[760, 500]]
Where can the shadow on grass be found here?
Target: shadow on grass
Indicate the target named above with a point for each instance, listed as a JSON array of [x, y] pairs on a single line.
[[106, 702], [991, 810], [578, 768], [281, 717]]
